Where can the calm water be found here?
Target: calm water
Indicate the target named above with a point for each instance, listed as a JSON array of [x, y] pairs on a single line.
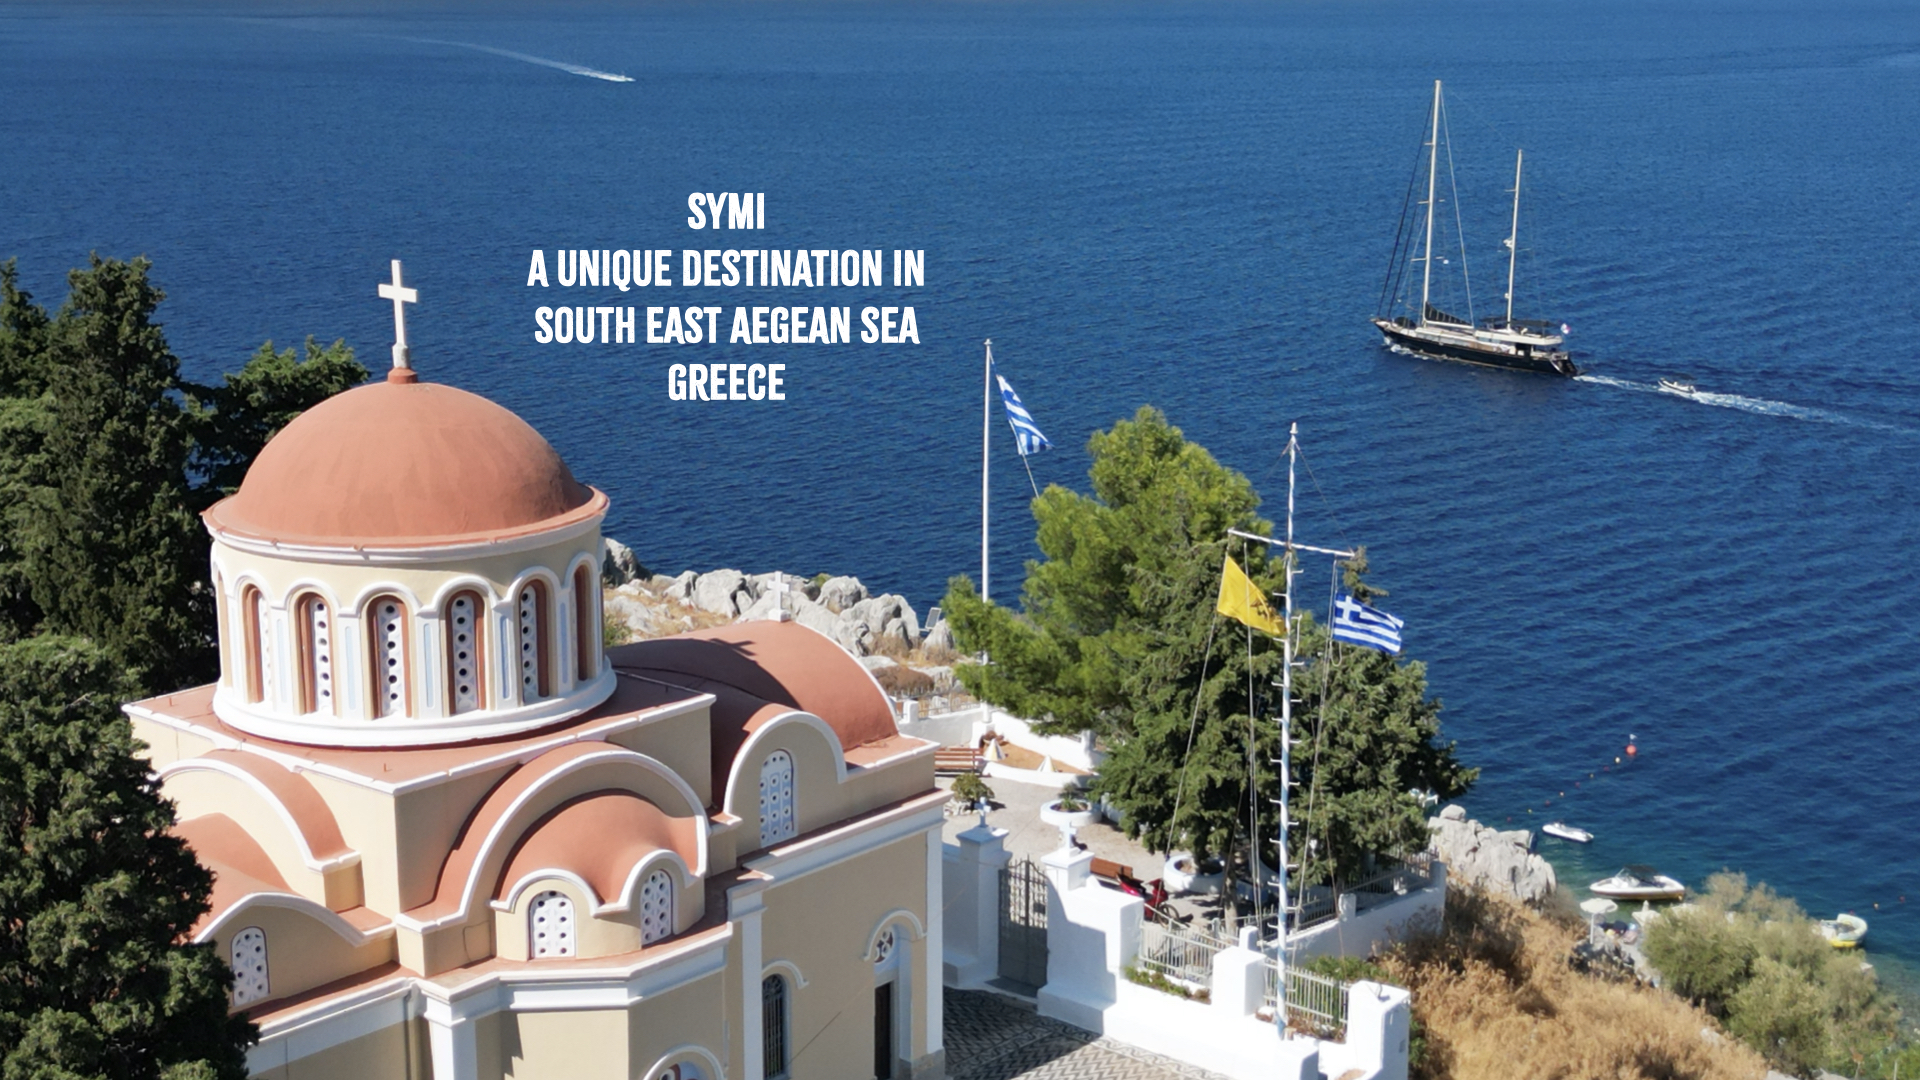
[[1186, 205]]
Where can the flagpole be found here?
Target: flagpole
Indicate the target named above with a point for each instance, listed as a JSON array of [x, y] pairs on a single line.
[[986, 464], [1286, 734]]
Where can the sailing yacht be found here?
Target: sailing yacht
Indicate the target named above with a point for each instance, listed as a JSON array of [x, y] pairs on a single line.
[[1522, 344]]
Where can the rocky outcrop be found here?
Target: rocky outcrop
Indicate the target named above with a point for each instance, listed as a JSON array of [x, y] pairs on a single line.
[[618, 564], [840, 607], [1489, 858]]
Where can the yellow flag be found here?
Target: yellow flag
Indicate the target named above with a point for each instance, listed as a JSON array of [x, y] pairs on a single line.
[[1241, 599]]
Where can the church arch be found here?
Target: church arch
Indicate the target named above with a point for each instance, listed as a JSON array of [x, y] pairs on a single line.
[[249, 960], [778, 817], [533, 645], [388, 638], [686, 1062], [550, 926], [316, 642], [255, 621], [223, 628], [884, 942], [587, 629], [466, 634]]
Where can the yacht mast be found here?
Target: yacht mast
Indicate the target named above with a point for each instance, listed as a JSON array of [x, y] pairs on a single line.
[[1513, 238], [1433, 164]]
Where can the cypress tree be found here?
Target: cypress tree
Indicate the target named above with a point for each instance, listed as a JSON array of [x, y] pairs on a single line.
[[96, 898]]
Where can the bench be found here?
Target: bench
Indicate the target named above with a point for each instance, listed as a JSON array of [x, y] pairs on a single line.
[[957, 761]]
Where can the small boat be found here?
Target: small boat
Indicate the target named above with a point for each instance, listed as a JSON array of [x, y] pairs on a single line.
[[1566, 832], [1843, 931], [1679, 384], [1493, 341], [1639, 883]]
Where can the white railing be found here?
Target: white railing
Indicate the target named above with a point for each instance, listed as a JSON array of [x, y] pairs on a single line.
[[1184, 954], [1315, 1003]]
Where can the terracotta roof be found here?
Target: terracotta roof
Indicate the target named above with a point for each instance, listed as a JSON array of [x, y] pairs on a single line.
[[240, 866], [759, 670], [404, 464], [601, 837], [309, 812]]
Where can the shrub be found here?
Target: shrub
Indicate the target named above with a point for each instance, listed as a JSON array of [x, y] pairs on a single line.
[[970, 789], [902, 681]]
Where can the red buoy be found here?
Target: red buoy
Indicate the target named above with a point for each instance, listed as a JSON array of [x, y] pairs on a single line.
[[1632, 750]]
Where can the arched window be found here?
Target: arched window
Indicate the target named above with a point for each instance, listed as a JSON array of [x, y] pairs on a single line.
[[656, 907], [254, 620], [773, 1026], [776, 798], [465, 672], [550, 925], [315, 635], [586, 604], [249, 961], [387, 633], [531, 607]]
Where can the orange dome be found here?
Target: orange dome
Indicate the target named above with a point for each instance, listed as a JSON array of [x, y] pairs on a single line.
[[404, 464]]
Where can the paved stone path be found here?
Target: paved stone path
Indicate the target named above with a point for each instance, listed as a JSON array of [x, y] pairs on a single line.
[[990, 1037]]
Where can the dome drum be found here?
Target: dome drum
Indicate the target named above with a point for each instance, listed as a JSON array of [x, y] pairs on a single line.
[[406, 565]]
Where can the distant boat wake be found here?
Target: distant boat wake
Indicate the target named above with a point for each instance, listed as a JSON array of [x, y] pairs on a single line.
[[1746, 404], [558, 65]]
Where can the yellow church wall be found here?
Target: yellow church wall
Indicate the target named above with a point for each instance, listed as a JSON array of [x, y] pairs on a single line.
[[302, 952], [694, 1015], [366, 820], [820, 796], [396, 1052], [587, 1044], [682, 742], [429, 819], [822, 924], [167, 744]]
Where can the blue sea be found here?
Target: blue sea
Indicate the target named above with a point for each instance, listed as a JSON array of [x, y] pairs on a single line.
[[1190, 205]]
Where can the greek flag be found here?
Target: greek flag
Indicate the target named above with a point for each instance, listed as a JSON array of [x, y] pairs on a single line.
[[1025, 433], [1357, 624]]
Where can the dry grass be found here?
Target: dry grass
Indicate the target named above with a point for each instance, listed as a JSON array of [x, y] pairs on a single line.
[[1498, 1000]]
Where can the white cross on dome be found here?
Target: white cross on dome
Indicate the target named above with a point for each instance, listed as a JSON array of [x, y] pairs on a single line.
[[400, 295]]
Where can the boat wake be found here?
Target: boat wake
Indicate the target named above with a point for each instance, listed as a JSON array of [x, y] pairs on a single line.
[[558, 65], [1762, 406]]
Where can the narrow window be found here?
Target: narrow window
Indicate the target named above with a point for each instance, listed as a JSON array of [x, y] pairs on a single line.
[[464, 652], [532, 608], [223, 630], [776, 798], [586, 606], [773, 1026], [249, 965], [550, 925], [253, 616], [388, 629], [656, 907], [316, 654]]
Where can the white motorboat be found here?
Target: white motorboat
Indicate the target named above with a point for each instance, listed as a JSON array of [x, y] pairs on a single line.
[[1679, 384], [1567, 832], [1639, 883], [1843, 931]]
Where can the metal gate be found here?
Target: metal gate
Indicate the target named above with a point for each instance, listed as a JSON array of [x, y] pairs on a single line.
[[1023, 924]]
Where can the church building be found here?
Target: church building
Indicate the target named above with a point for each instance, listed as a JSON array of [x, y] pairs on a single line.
[[455, 837]]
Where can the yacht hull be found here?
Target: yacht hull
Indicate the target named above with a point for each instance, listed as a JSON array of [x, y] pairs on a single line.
[[1543, 363]]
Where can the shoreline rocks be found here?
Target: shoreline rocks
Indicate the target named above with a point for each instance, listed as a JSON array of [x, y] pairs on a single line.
[[841, 608], [1491, 859]]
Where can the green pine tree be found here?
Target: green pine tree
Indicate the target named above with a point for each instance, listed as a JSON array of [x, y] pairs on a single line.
[[1118, 635], [96, 898]]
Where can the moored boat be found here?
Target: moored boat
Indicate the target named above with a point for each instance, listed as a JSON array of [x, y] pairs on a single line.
[[1565, 831], [1639, 883], [1506, 342], [1843, 931]]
